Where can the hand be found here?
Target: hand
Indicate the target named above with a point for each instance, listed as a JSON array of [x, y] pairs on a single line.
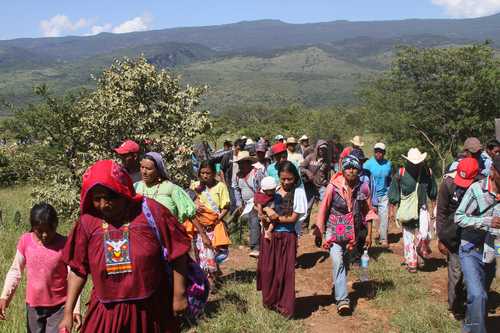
[[443, 249], [66, 324], [271, 213], [318, 236], [368, 242], [77, 319], [180, 305], [3, 309], [206, 241], [495, 223], [392, 216], [350, 246]]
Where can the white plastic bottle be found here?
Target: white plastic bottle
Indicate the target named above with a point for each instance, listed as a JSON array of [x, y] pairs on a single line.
[[497, 255], [365, 260]]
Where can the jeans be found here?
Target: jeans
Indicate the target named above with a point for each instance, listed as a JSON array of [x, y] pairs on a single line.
[[252, 219], [340, 268], [313, 194], [477, 277], [383, 214]]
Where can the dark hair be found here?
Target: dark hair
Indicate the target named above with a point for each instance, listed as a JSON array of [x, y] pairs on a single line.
[[43, 213], [207, 164], [492, 144], [287, 166]]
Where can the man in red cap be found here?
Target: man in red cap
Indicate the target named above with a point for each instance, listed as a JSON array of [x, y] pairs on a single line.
[[279, 154], [128, 152], [450, 195]]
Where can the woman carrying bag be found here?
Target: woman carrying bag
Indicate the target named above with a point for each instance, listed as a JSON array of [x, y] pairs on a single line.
[[410, 191]]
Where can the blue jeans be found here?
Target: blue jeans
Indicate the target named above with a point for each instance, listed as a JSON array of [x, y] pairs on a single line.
[[477, 278], [252, 219], [340, 268], [383, 214]]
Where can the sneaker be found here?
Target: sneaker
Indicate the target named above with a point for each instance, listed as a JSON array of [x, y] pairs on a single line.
[[344, 308], [254, 254]]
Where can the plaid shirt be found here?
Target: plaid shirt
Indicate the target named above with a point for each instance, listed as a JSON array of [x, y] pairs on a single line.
[[478, 207]]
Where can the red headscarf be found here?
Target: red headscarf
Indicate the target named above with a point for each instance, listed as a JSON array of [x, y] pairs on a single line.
[[109, 174]]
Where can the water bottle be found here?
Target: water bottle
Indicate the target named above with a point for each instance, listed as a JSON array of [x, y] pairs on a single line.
[[497, 255], [365, 259]]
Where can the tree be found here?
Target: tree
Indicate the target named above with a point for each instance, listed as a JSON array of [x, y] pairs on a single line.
[[436, 98], [132, 100]]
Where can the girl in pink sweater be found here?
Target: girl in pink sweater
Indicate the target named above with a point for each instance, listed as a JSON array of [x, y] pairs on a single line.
[[39, 252]]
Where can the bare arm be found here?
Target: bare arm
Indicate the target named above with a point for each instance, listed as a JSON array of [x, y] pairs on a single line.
[[179, 278], [75, 287]]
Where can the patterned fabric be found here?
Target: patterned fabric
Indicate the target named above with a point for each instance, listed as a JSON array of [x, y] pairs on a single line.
[[117, 251]]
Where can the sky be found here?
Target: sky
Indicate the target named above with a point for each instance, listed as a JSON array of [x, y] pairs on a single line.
[[54, 18]]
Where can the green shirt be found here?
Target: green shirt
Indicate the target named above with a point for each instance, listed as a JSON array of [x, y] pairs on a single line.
[[171, 196], [406, 185]]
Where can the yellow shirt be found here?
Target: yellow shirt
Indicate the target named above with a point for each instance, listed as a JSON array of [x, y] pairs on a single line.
[[219, 194]]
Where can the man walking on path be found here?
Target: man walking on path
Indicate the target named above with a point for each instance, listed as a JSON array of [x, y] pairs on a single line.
[[492, 149], [450, 195], [315, 170], [229, 169], [293, 156], [305, 147], [129, 155], [478, 216], [380, 170], [246, 185]]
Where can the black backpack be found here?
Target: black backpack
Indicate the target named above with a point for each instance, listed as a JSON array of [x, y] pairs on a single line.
[[449, 232]]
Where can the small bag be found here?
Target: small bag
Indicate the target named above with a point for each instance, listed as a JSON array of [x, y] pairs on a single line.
[[408, 205], [197, 285], [340, 229]]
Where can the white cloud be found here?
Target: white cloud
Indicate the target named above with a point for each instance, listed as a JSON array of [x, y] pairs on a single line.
[[60, 24], [469, 8], [97, 29], [139, 23]]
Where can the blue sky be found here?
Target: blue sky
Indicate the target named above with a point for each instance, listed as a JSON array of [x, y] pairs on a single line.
[[38, 18]]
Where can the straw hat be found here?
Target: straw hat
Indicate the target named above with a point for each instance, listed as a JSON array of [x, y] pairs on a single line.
[[415, 156], [291, 141], [357, 141], [245, 156]]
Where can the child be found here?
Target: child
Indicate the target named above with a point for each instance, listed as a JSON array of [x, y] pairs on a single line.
[[264, 202], [40, 252], [212, 204]]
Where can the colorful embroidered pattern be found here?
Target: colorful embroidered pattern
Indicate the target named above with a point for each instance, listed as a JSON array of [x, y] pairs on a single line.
[[340, 229], [117, 251]]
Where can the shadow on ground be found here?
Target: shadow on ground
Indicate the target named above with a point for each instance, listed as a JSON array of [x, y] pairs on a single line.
[[309, 260], [306, 306], [433, 264], [244, 276], [368, 290]]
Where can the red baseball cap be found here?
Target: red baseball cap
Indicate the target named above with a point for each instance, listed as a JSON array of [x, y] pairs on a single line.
[[277, 148], [467, 171], [127, 147]]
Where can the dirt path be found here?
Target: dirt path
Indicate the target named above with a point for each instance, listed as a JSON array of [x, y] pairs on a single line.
[[315, 305]]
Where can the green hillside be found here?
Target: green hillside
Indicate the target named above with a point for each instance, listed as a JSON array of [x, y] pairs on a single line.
[[310, 77]]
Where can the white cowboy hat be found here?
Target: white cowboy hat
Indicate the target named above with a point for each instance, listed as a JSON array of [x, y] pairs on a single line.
[[245, 156], [303, 138], [291, 140], [415, 156], [357, 141]]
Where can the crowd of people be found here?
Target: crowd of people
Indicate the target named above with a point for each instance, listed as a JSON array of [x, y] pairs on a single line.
[[138, 231]]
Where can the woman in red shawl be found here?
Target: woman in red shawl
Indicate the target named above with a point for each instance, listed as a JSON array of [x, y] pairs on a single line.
[[113, 242]]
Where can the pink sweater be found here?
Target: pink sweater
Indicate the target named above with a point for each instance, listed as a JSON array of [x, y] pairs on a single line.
[[46, 272]]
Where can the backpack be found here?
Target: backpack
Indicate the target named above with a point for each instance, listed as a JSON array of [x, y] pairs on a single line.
[[197, 285], [449, 232]]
